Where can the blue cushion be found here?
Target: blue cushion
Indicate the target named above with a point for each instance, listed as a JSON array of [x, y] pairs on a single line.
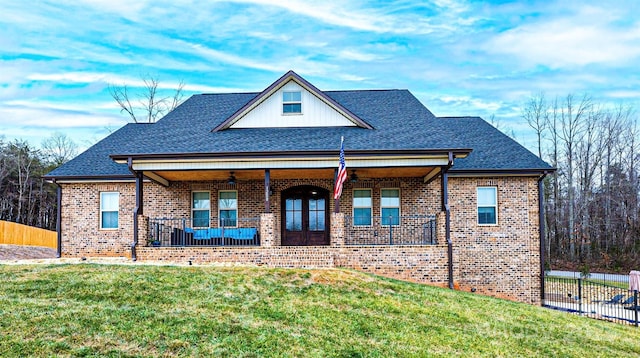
[[215, 232], [201, 234], [242, 233]]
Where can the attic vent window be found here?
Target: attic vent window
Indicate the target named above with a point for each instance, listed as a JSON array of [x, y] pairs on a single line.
[[292, 102]]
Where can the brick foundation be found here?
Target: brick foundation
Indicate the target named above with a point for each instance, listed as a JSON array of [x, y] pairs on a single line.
[[423, 264]]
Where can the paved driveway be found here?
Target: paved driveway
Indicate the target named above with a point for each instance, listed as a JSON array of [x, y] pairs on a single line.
[[16, 252]]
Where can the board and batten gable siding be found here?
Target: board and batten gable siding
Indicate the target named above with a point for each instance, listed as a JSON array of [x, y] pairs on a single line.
[[315, 112]]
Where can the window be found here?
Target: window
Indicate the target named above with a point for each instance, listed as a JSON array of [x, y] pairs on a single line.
[[361, 207], [200, 208], [293, 214], [292, 102], [228, 207], [390, 206], [316, 214], [109, 204], [487, 205]]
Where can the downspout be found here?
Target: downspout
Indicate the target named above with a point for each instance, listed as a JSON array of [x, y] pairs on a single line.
[[542, 233], [58, 219], [447, 218], [137, 209]]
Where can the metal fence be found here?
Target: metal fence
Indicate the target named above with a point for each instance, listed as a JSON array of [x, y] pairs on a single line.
[[167, 232], [403, 230], [603, 297]]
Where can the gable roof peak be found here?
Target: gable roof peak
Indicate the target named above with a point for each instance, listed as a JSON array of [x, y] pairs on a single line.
[[279, 83]]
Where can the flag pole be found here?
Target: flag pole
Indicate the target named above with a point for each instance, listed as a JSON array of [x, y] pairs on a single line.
[[336, 202], [339, 179]]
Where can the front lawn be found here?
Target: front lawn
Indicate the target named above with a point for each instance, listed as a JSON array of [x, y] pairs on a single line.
[[138, 310]]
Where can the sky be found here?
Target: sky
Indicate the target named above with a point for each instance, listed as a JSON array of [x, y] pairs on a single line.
[[459, 58]]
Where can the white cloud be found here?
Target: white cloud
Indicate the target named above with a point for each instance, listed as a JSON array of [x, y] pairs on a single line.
[[225, 57], [53, 116], [474, 104], [379, 18], [588, 36], [354, 55], [117, 80]]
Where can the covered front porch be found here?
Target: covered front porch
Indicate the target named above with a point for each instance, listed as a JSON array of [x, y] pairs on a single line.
[[390, 198], [179, 232], [373, 210]]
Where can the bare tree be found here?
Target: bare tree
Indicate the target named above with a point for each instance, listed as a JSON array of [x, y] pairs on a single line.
[[149, 105], [59, 149], [571, 132], [535, 113]]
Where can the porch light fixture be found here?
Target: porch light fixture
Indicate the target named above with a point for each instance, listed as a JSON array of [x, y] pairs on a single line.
[[232, 179], [354, 177]]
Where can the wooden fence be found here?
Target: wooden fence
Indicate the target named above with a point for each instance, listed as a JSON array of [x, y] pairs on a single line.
[[18, 234]]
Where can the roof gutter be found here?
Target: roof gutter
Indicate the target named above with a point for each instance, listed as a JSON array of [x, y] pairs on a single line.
[[507, 172], [86, 178]]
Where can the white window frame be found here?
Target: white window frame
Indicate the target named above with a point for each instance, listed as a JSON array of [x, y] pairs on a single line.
[[193, 209], [220, 209], [399, 207], [103, 210], [285, 102], [354, 206], [485, 205]]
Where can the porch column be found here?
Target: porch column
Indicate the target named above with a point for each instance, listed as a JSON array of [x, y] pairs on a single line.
[[268, 230], [337, 234]]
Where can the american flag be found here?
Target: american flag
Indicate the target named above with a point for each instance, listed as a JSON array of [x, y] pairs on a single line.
[[342, 173]]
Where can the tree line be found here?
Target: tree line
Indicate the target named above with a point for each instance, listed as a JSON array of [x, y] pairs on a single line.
[[592, 201], [25, 197]]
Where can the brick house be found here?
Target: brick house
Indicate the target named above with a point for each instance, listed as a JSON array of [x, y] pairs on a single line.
[[249, 178]]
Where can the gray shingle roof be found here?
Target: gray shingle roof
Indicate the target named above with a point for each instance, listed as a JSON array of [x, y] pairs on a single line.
[[399, 120]]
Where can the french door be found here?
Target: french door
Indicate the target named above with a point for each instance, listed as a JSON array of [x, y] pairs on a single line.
[[305, 219]]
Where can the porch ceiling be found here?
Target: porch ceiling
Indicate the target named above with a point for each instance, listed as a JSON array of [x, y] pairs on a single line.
[[325, 173]]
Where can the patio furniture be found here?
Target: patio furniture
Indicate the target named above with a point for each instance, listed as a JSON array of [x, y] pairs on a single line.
[[614, 300]]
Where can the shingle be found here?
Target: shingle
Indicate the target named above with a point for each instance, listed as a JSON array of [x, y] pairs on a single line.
[[492, 149], [399, 120]]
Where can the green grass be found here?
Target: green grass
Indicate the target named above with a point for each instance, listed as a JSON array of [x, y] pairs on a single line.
[[100, 310]]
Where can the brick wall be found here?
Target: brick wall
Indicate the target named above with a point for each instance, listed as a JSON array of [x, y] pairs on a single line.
[[80, 225], [424, 264], [501, 260]]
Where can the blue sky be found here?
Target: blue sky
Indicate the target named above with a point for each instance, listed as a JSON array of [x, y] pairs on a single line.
[[483, 58]]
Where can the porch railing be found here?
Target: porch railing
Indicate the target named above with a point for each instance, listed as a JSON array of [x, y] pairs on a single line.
[[167, 232], [379, 230]]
